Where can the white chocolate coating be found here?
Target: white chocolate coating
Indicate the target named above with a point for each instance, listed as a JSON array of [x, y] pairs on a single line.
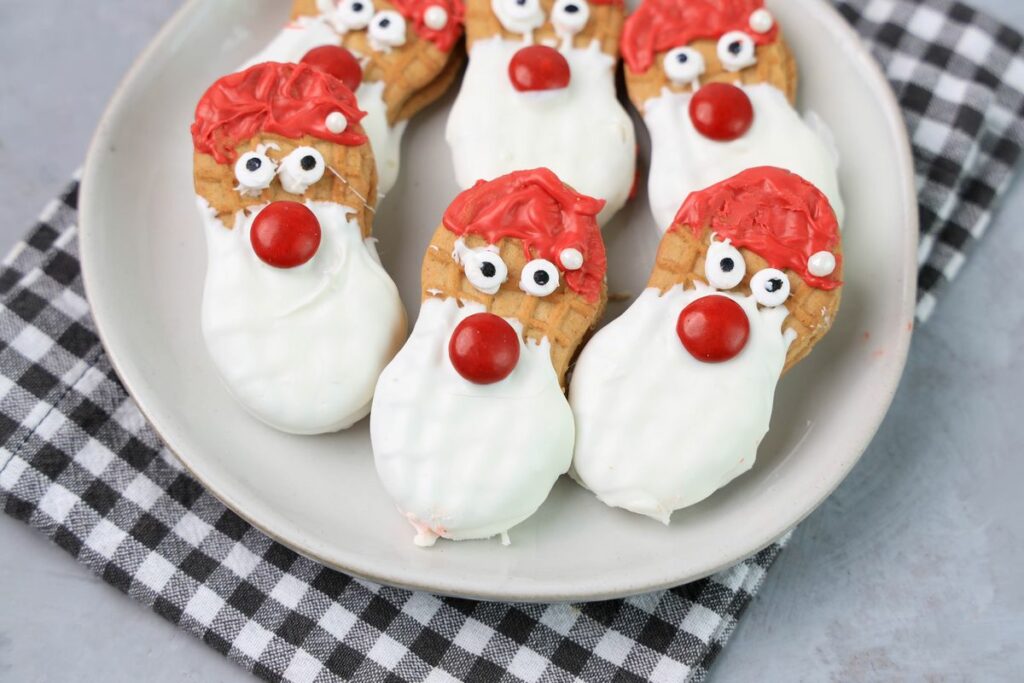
[[300, 348], [683, 160], [306, 33], [581, 132], [463, 460], [658, 430]]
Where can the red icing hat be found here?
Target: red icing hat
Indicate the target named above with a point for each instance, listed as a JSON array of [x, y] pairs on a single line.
[[444, 37], [291, 100], [539, 209], [659, 25], [774, 213]]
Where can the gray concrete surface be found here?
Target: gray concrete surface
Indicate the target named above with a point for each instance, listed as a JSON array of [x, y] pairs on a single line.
[[910, 571]]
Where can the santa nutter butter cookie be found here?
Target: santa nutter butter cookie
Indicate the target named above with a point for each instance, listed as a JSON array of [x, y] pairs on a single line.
[[298, 314], [397, 56], [539, 91], [715, 82], [672, 398], [470, 425]]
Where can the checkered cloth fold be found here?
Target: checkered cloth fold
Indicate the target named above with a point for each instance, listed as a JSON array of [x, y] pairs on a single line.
[[80, 463]]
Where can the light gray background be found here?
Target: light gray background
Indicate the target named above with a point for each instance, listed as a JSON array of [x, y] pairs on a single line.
[[911, 570]]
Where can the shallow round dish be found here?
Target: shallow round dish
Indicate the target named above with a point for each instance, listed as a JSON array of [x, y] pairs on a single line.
[[144, 258]]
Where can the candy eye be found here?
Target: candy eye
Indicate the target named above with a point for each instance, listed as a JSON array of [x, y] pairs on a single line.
[[484, 269], [736, 51], [300, 169], [254, 172], [770, 287], [570, 16], [387, 30], [683, 65], [539, 277], [353, 15], [724, 266], [518, 16]]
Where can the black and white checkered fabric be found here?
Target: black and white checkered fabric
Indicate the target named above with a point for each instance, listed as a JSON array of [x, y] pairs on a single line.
[[80, 463]]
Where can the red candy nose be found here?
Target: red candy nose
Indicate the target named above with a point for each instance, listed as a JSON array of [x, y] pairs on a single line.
[[713, 328], [285, 234], [538, 67], [484, 348], [721, 111], [338, 62]]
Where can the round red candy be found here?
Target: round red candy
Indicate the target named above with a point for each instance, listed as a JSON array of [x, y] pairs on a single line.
[[484, 348], [713, 328], [338, 62], [285, 234], [721, 111], [538, 67]]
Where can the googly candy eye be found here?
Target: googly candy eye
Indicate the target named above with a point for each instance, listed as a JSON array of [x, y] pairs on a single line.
[[770, 287], [302, 168], [683, 65], [387, 30], [254, 172], [519, 16], [736, 51], [486, 271], [539, 277], [569, 17], [352, 15], [724, 267]]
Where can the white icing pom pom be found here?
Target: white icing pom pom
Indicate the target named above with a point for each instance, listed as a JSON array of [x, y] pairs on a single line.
[[336, 123], [571, 259], [762, 21], [821, 263], [435, 18]]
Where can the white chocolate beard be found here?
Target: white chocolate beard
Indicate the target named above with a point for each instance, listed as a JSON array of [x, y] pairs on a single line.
[[657, 429], [683, 160], [463, 460], [581, 132], [300, 348], [306, 33]]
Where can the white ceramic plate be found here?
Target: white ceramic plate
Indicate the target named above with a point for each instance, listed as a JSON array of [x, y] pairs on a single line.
[[144, 258]]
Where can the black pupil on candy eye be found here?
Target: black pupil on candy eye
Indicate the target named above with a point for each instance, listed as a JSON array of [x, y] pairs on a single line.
[[572, 9], [541, 277], [308, 162], [682, 58], [253, 164], [735, 47], [357, 7], [521, 3], [384, 23], [773, 285], [726, 265], [488, 269]]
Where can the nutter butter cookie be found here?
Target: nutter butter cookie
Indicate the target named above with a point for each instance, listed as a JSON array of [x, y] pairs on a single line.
[[716, 85], [298, 315]]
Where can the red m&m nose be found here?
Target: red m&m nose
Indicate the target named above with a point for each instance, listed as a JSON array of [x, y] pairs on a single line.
[[713, 328], [338, 62], [538, 67], [285, 234], [721, 111], [484, 348]]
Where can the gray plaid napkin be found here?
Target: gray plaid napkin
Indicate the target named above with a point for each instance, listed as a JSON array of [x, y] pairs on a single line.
[[79, 463]]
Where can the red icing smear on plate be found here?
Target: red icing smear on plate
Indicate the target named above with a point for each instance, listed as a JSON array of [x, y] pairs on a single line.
[[539, 209], [446, 36], [290, 100], [659, 25], [774, 213]]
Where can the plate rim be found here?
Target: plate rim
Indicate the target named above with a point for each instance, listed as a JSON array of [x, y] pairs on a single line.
[[850, 44]]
